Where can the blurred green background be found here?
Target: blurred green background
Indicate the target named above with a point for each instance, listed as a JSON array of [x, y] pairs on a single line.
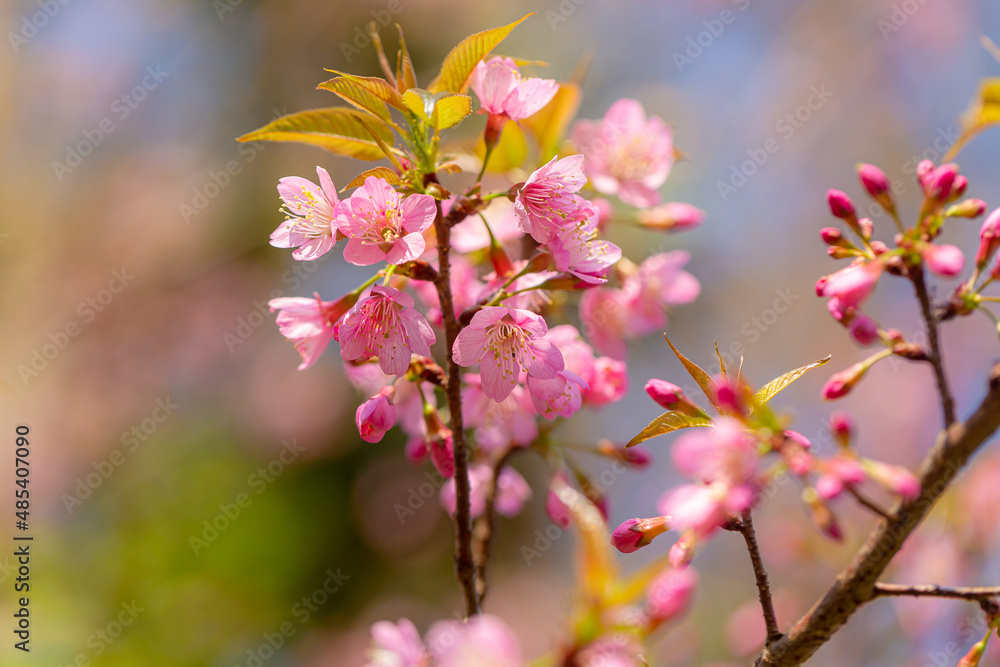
[[198, 501]]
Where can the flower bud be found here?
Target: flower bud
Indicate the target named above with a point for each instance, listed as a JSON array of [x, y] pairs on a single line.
[[894, 478], [967, 208], [443, 456], [840, 384], [958, 187], [834, 237], [666, 394], [842, 427], [637, 533], [637, 456], [989, 238], [669, 595], [853, 284], [822, 516], [938, 183], [863, 329], [682, 551], [376, 415], [945, 260], [672, 216], [842, 207], [867, 227], [555, 508], [874, 181], [415, 450], [924, 169]]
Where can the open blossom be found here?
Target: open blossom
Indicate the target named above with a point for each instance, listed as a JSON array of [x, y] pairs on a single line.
[[307, 323], [376, 415], [850, 286], [627, 154], [560, 396], [577, 250], [396, 645], [501, 91], [383, 226], [670, 594], [503, 341], [547, 199], [498, 425], [383, 324], [310, 223], [511, 495], [481, 641]]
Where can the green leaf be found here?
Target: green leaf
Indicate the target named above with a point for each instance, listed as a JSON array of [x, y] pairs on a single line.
[[380, 88], [669, 422], [769, 390], [696, 372], [420, 102], [357, 95], [722, 364], [391, 177], [462, 60], [452, 110], [337, 129]]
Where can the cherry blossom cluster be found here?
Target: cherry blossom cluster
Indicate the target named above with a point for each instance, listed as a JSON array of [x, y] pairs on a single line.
[[732, 458], [913, 250]]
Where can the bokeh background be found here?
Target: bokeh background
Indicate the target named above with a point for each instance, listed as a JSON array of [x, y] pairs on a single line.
[[136, 343]]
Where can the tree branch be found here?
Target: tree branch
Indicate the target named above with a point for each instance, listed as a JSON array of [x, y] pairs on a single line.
[[933, 591], [931, 324], [464, 564], [485, 527], [745, 527], [868, 504], [856, 584]]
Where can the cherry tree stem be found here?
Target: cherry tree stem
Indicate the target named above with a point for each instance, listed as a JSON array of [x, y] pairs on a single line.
[[971, 593], [931, 324], [745, 527]]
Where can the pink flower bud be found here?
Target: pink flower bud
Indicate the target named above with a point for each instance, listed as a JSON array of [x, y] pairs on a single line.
[[939, 182], [924, 170], [636, 456], [863, 329], [664, 393], [637, 533], [554, 506], [945, 260], [895, 478], [822, 516], [672, 215], [968, 208], [842, 427], [873, 179], [682, 551], [840, 384], [821, 285], [443, 456], [376, 415], [989, 238], [867, 227], [416, 450], [670, 594], [959, 186], [853, 284], [728, 396], [832, 236], [841, 205]]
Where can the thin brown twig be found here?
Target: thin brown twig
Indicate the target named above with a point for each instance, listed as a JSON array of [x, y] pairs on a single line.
[[465, 568], [934, 591], [937, 361], [865, 502], [745, 527], [486, 526]]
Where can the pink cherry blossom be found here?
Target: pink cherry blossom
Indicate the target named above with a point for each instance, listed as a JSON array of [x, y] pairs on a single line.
[[503, 341], [512, 491], [724, 453], [634, 534], [376, 415], [383, 226], [369, 379], [670, 594], [659, 282], [627, 154], [863, 328], [442, 454], [839, 473], [547, 198], [384, 324], [482, 641], [560, 396], [576, 249], [555, 508], [945, 260], [307, 324], [607, 383], [851, 286], [675, 215], [501, 91], [310, 216], [989, 238], [604, 313], [396, 645], [666, 394], [499, 425]]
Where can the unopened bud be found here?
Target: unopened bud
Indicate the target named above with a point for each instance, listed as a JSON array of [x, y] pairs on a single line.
[[945, 260], [682, 551], [842, 207], [989, 238], [840, 384], [672, 216], [634, 534], [897, 479], [669, 595], [874, 181], [822, 516], [967, 208], [637, 456], [842, 427]]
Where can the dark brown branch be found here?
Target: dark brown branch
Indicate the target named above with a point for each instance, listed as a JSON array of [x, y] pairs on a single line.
[[868, 504], [856, 584], [465, 568], [485, 527], [931, 324], [745, 527], [974, 593]]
